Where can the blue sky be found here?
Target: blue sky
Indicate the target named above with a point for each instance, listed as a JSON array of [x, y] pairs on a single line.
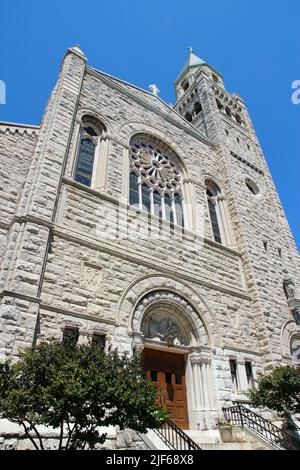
[[255, 44]]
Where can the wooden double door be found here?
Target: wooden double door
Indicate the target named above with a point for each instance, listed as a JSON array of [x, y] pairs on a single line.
[[167, 371]]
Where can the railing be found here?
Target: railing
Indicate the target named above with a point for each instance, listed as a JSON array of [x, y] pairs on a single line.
[[175, 438], [278, 438]]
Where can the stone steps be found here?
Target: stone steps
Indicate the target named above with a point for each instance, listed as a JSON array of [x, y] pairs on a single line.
[[211, 440]]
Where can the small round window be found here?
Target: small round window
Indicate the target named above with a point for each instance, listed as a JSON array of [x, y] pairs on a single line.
[[252, 186]]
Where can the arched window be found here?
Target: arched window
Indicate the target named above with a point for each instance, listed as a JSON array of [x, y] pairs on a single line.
[[197, 108], [185, 85], [89, 139], [295, 348], [228, 111], [220, 106], [239, 119], [188, 117], [155, 180], [213, 193], [252, 186]]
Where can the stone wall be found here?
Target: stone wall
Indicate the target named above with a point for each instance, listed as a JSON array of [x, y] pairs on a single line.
[[12, 437], [71, 255]]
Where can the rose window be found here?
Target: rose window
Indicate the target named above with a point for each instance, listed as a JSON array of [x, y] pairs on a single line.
[[155, 182]]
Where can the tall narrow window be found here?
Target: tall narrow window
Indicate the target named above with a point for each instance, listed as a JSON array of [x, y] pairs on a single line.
[[85, 162], [228, 111], [212, 206], [295, 348], [146, 201], [89, 139], [185, 85], [133, 192], [157, 204], [197, 108], [178, 210], [239, 119], [233, 371], [168, 208], [218, 215], [155, 179], [220, 106]]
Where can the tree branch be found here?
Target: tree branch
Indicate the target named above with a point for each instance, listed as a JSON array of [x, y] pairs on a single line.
[[28, 435]]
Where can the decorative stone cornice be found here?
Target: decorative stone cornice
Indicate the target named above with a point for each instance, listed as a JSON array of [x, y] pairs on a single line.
[[20, 295], [200, 358], [21, 129], [251, 165], [149, 261], [84, 316]]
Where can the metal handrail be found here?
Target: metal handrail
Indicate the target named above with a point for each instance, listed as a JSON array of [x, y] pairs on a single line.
[[175, 438], [278, 438]]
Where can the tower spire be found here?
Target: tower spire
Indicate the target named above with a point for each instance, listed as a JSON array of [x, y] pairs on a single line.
[[192, 61]]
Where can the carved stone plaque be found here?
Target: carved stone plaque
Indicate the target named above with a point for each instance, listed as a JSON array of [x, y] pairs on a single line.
[[91, 277]]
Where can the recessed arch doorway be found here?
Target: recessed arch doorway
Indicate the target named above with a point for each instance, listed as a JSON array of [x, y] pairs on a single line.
[[176, 353]]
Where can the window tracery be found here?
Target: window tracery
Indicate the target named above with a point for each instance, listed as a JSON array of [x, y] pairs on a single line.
[[155, 181]]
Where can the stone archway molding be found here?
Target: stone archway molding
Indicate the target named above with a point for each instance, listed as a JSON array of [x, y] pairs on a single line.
[[288, 330], [150, 283]]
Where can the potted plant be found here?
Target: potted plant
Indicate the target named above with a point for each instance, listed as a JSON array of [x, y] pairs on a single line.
[[225, 429]]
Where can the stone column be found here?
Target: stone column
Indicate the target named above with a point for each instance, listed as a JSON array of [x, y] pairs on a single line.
[[202, 382], [74, 152], [242, 376], [101, 162], [198, 390], [125, 175], [205, 372]]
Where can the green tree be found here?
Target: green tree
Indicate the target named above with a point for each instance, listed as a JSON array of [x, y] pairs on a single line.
[[77, 389], [279, 390]]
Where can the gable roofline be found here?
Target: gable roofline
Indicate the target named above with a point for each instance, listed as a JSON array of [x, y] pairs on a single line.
[[17, 124], [116, 82]]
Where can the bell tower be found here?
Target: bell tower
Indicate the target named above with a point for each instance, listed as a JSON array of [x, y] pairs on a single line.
[[189, 86], [263, 237]]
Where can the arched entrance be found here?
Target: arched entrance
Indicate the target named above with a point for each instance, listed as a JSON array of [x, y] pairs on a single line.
[[176, 353]]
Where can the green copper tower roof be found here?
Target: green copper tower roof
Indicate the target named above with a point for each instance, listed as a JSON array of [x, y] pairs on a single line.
[[193, 61]]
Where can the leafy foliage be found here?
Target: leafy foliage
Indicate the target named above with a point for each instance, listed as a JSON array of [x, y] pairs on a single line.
[[279, 390], [76, 389]]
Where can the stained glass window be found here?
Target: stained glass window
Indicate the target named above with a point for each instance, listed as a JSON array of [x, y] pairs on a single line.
[[86, 152], [85, 162], [178, 209], [134, 195], [146, 201], [155, 180], [157, 203]]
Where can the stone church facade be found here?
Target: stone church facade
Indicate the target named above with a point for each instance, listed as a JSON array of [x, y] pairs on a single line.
[[149, 227]]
